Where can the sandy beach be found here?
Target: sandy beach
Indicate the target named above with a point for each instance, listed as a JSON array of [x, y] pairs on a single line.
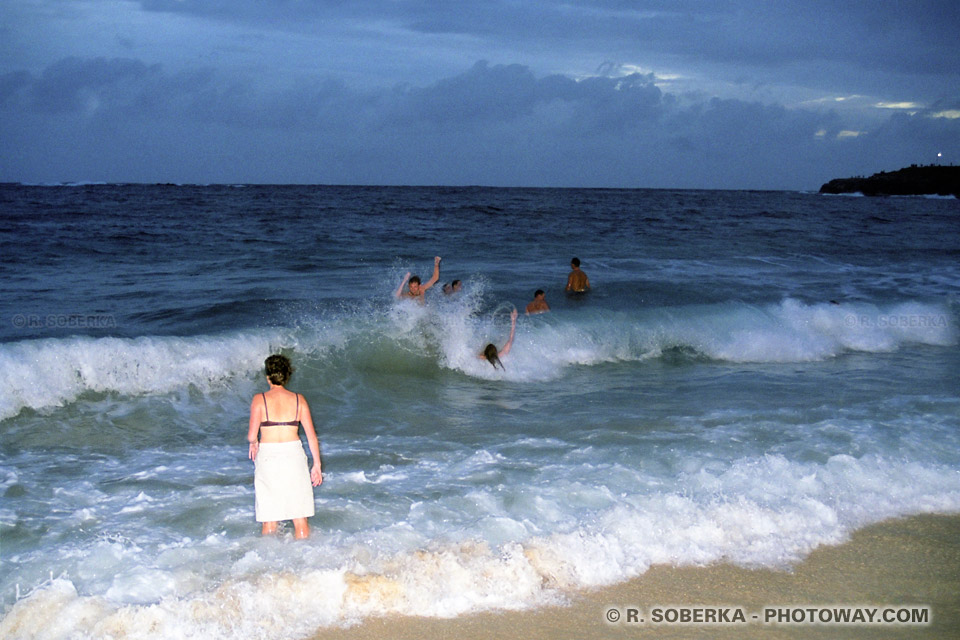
[[904, 564]]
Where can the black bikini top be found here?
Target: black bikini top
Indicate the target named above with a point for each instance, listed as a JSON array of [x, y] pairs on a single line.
[[270, 423]]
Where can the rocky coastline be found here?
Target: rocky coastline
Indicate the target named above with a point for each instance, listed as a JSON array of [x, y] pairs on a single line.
[[913, 180]]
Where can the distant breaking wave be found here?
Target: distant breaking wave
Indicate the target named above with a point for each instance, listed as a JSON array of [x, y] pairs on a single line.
[[42, 374]]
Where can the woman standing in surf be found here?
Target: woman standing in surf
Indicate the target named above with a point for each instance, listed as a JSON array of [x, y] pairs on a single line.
[[282, 481]]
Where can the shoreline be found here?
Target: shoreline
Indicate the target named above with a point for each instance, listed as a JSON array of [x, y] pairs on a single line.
[[910, 562]]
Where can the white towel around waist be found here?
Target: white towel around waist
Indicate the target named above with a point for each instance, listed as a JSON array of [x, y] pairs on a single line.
[[282, 482]]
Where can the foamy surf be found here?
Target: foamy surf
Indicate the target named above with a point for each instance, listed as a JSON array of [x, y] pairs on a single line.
[[40, 374], [790, 331], [757, 512]]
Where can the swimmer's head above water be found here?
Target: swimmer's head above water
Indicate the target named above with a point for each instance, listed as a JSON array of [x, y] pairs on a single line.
[[410, 286], [414, 285], [490, 353]]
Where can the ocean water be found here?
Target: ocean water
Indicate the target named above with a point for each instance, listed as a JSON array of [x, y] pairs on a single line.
[[754, 374]]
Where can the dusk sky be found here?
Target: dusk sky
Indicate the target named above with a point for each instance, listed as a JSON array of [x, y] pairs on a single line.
[[738, 94]]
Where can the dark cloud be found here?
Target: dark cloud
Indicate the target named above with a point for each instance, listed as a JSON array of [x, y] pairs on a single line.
[[506, 93], [890, 49], [492, 124], [70, 84], [119, 88], [909, 37], [503, 92]]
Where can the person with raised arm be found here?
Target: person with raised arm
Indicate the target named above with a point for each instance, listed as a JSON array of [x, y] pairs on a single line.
[[414, 289], [492, 354]]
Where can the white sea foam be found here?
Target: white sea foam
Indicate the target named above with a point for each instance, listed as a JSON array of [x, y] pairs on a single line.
[[40, 374], [790, 331], [763, 511]]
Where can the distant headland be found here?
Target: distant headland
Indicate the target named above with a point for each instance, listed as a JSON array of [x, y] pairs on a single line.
[[914, 180]]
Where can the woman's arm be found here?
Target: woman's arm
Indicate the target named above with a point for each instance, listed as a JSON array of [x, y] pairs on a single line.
[[253, 430], [316, 474], [513, 329]]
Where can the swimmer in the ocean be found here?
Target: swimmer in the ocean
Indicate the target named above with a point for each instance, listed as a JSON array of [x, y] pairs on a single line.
[[492, 354], [452, 287], [538, 304], [577, 281], [415, 289]]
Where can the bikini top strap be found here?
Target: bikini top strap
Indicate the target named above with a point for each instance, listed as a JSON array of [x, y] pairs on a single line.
[[265, 412]]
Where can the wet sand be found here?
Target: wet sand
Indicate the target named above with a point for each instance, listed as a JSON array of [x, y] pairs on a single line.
[[912, 562]]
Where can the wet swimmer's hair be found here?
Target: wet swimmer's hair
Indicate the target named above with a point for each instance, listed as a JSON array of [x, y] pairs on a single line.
[[490, 353], [575, 262], [278, 369], [414, 279]]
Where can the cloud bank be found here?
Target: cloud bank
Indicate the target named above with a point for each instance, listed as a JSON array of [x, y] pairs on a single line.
[[746, 94]]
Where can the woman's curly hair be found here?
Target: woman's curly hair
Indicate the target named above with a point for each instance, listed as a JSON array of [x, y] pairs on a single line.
[[278, 369]]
